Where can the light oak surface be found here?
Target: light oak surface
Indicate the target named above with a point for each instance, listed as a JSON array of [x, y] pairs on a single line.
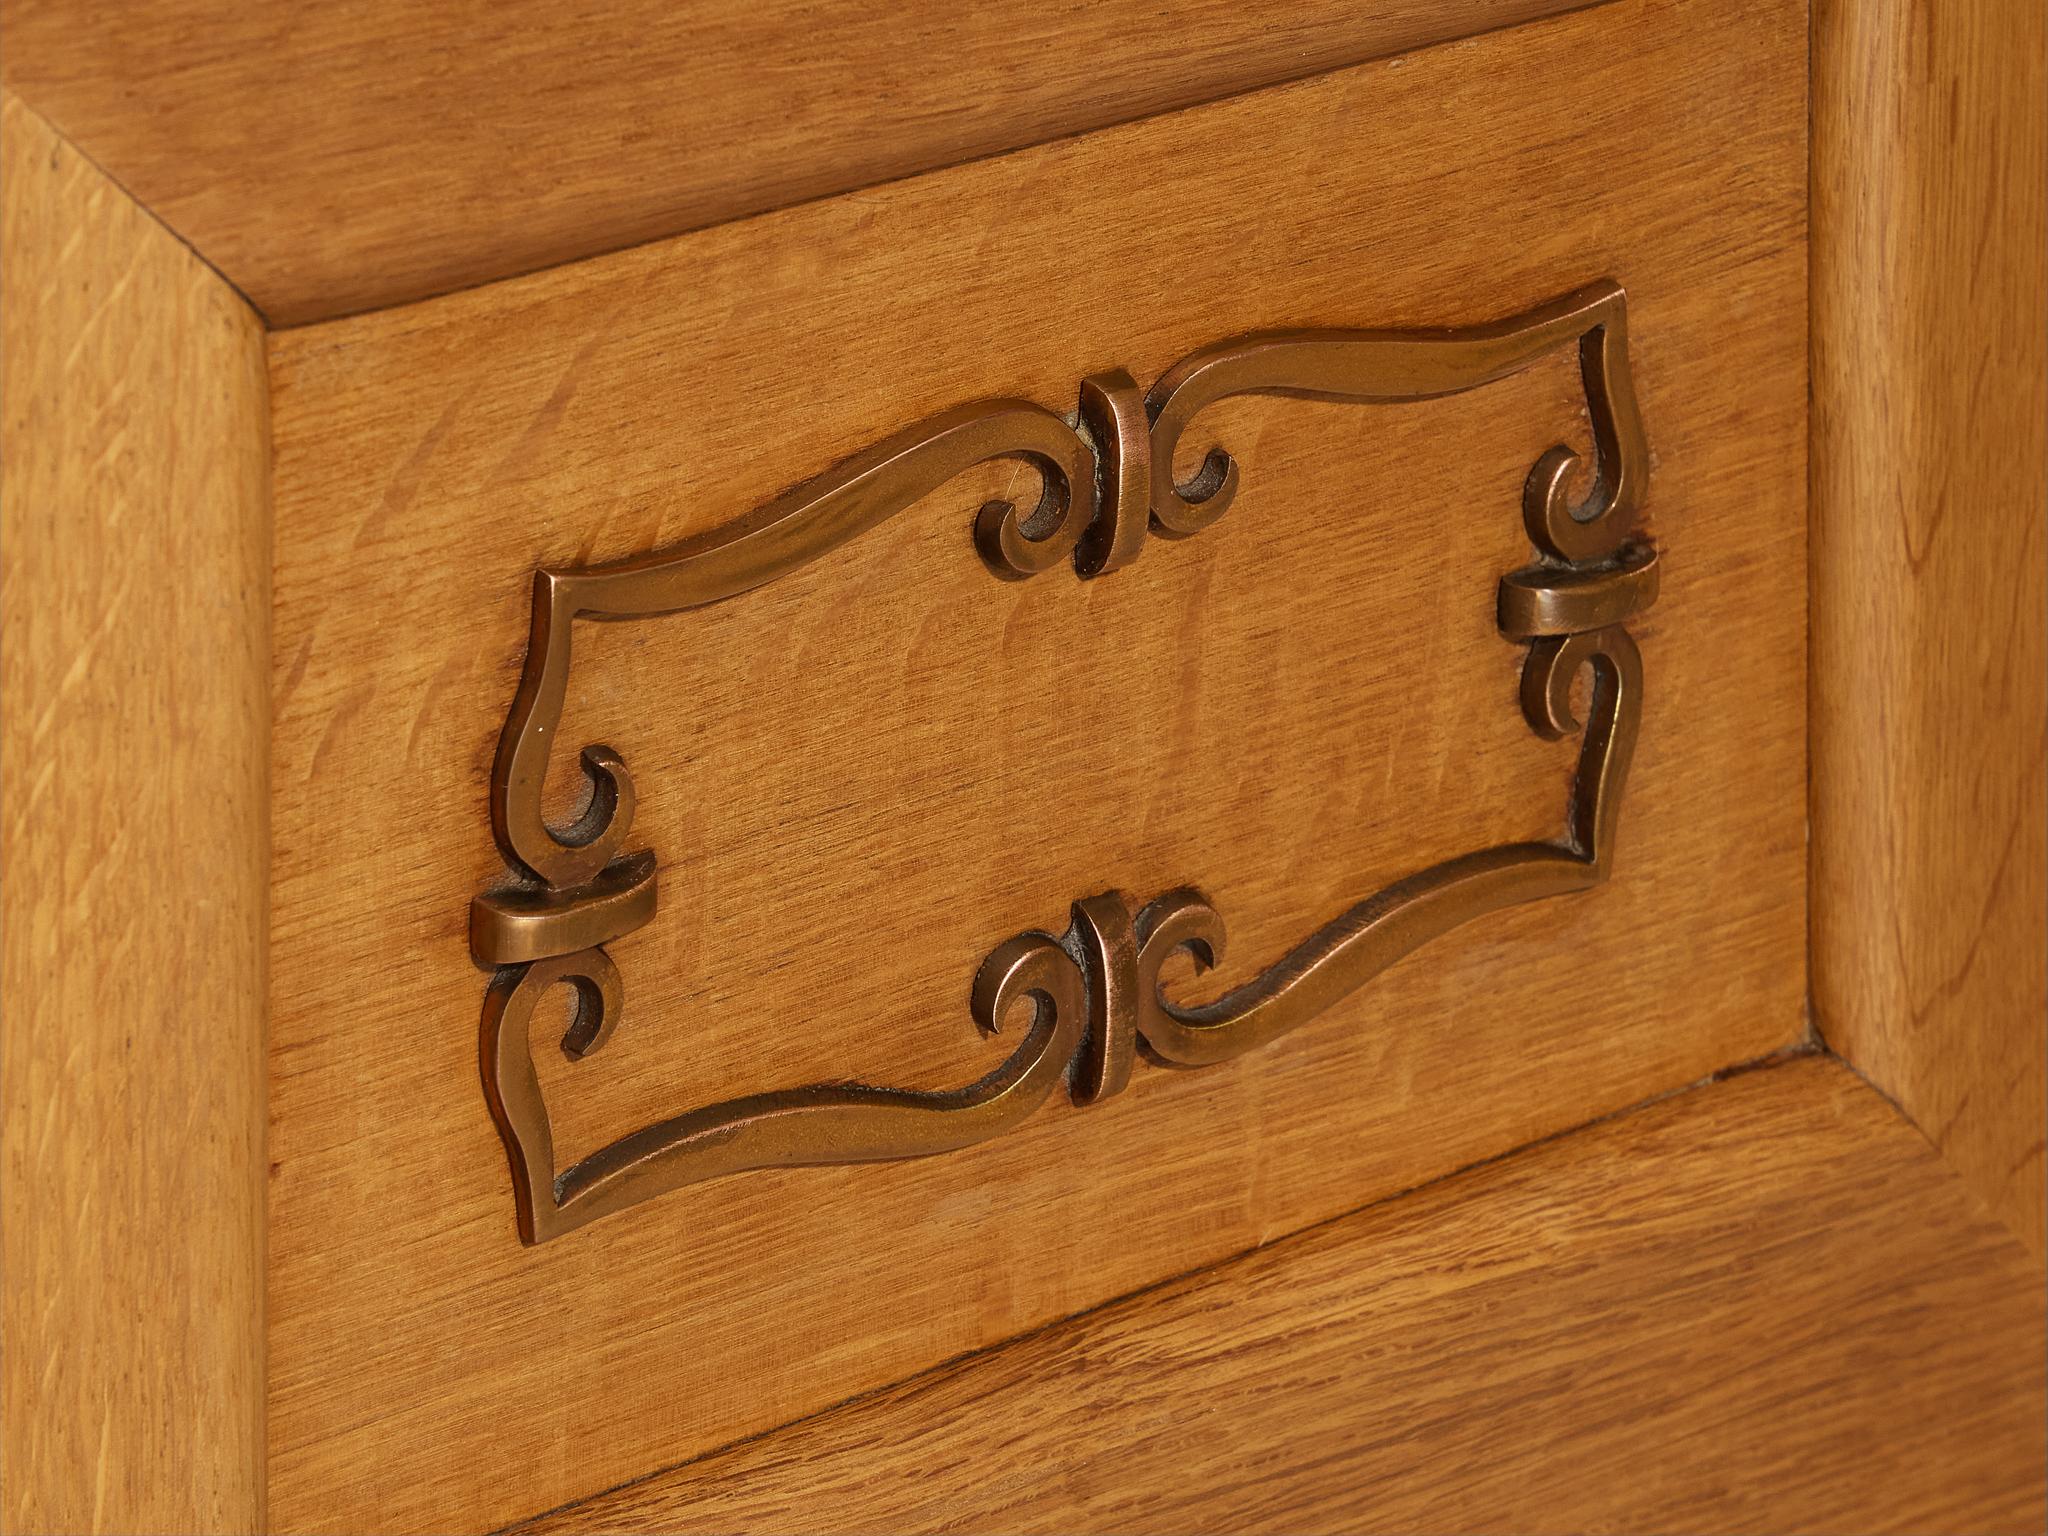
[[1760, 1305], [1763, 1303], [862, 778], [134, 600], [1930, 573], [339, 158]]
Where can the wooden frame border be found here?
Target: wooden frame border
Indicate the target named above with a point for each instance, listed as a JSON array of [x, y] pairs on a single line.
[[1592, 1411], [135, 656], [1928, 710]]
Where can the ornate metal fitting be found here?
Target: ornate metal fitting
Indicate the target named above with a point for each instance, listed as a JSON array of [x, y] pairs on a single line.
[[1094, 993]]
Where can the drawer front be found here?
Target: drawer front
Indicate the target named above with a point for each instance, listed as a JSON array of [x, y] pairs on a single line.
[[861, 779]]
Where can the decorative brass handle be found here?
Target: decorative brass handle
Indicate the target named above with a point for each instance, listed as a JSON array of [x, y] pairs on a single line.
[[1107, 480]]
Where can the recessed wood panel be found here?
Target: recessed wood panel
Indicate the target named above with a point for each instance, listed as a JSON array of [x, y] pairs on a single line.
[[330, 159], [860, 779], [1706, 1315]]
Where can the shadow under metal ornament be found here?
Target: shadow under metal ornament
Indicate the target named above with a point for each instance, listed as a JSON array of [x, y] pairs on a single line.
[[1107, 486]]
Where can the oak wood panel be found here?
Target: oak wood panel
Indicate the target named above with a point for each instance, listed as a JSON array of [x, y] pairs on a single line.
[[1706, 1315], [134, 657], [1930, 573], [860, 779], [340, 158]]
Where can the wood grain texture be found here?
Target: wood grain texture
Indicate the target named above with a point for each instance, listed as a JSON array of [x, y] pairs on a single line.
[[340, 158], [860, 779], [134, 656], [1707, 1315], [1930, 573]]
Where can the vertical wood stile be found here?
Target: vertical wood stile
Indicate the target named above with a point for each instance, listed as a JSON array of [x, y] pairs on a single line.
[[1929, 656], [134, 655]]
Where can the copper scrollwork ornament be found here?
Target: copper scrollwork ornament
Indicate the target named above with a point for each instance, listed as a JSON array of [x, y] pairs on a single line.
[[1095, 993]]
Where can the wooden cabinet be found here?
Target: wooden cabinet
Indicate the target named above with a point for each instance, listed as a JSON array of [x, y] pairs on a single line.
[[329, 1210]]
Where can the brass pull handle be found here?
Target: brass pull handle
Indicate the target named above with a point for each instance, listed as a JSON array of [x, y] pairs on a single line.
[[1107, 482]]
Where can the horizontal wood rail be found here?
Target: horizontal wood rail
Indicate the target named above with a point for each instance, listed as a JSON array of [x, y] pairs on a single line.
[[1773, 1279], [330, 159]]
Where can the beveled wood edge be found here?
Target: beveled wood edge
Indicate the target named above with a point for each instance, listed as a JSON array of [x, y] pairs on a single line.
[[137, 523], [554, 230]]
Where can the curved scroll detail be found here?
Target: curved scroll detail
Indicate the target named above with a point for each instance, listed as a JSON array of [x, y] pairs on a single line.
[[1348, 952], [830, 1123], [1107, 485], [786, 534], [1371, 367]]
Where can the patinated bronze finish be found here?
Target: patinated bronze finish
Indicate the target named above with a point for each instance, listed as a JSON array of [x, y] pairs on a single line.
[[511, 927], [1107, 481]]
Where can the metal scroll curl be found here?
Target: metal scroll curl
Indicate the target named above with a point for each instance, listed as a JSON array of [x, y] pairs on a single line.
[[1095, 993]]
